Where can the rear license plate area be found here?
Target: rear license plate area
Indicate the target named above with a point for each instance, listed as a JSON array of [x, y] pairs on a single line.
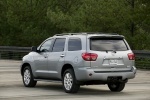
[[113, 62], [114, 78]]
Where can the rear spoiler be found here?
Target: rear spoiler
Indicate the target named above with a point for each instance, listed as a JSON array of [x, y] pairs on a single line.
[[116, 37]]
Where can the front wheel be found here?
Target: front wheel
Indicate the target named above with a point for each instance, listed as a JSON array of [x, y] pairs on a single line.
[[69, 82], [116, 87], [27, 77]]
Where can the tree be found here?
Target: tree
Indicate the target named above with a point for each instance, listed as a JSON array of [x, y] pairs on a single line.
[[31, 21]]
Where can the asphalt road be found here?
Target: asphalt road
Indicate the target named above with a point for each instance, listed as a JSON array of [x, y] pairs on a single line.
[[11, 87]]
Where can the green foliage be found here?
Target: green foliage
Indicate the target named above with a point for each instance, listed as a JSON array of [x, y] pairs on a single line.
[[29, 22], [142, 63]]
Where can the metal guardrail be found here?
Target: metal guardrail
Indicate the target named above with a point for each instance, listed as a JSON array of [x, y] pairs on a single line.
[[138, 53], [142, 53], [12, 52], [16, 53], [14, 49]]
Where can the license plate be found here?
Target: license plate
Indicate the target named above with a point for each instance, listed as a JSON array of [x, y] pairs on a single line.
[[113, 62], [113, 78]]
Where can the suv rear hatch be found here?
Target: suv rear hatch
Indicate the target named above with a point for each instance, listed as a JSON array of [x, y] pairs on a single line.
[[113, 53]]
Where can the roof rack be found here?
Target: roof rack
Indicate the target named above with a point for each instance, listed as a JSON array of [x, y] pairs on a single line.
[[85, 33], [113, 33], [70, 34], [102, 33]]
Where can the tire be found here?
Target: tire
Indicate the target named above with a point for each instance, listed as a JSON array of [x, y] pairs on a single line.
[[27, 77], [116, 87], [69, 82]]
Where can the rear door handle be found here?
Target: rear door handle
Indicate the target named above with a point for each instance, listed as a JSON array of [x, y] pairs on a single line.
[[62, 55]]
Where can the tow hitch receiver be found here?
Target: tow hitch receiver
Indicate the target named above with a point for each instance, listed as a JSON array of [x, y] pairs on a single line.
[[114, 79]]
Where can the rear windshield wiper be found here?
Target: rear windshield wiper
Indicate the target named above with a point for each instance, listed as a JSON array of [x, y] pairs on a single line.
[[110, 50]]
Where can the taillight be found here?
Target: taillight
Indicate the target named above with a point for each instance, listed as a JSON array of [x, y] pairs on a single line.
[[131, 56], [89, 56]]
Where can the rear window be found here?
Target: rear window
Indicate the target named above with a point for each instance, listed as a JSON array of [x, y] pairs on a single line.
[[108, 45]]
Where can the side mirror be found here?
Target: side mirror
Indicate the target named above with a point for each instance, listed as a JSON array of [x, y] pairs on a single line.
[[33, 48]]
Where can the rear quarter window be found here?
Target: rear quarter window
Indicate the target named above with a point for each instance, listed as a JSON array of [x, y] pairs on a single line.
[[74, 44], [108, 44]]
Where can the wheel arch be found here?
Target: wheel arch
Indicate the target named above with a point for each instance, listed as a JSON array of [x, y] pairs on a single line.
[[23, 66], [65, 67]]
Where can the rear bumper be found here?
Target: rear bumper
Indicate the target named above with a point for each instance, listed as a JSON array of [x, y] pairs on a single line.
[[88, 74]]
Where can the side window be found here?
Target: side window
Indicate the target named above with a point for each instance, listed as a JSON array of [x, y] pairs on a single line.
[[74, 44], [46, 46], [59, 45]]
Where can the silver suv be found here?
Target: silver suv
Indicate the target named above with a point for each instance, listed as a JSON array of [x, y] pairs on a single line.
[[80, 59]]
